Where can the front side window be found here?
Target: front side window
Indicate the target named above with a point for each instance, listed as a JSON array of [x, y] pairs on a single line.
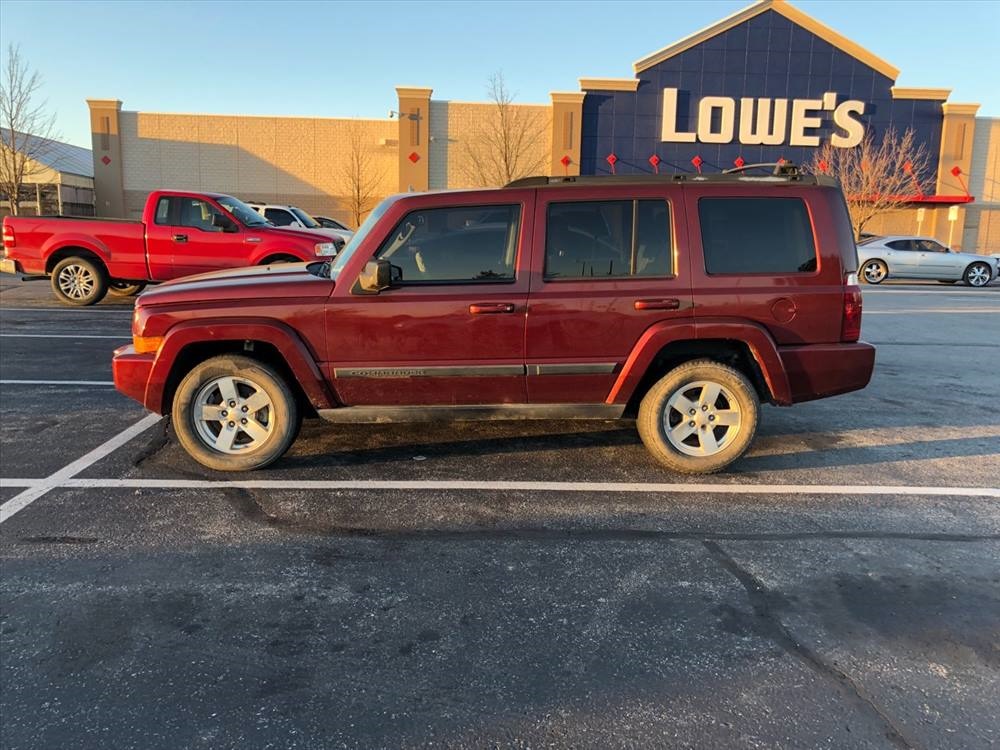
[[608, 239], [756, 235], [162, 211], [930, 246], [279, 217], [198, 214], [468, 243]]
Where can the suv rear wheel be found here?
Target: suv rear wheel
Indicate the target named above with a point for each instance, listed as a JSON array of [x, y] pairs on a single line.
[[79, 281], [699, 417], [234, 413]]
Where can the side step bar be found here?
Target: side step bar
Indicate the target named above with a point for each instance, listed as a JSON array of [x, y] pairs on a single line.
[[449, 413]]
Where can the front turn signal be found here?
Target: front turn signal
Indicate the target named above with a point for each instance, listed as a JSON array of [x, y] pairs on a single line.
[[146, 344]]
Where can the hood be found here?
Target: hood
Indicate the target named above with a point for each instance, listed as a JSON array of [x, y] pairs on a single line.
[[278, 281], [309, 235]]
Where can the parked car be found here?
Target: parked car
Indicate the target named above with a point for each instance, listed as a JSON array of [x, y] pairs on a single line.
[[907, 257], [680, 302], [180, 234], [296, 218], [326, 221]]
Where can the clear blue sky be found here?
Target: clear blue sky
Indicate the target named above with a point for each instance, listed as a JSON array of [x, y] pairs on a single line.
[[344, 58]]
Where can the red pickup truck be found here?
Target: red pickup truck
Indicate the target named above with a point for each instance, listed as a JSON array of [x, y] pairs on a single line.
[[181, 233], [681, 302]]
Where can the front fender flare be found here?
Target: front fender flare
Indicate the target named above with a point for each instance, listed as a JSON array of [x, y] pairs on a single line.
[[284, 338]]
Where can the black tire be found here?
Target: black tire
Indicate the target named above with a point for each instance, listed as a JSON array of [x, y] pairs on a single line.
[[655, 414], [125, 288], [976, 272], [874, 271], [79, 281], [281, 416]]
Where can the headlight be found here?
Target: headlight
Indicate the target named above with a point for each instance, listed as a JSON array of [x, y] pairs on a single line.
[[326, 248]]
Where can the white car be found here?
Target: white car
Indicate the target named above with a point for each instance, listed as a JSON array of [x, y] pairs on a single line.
[[296, 218], [909, 257]]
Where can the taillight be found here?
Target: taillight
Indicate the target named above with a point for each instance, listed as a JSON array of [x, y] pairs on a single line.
[[850, 324], [8, 237]]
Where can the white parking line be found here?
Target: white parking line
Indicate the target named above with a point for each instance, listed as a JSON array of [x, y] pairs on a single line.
[[58, 382], [945, 310], [525, 486], [22, 500], [77, 310], [941, 291], [60, 336]]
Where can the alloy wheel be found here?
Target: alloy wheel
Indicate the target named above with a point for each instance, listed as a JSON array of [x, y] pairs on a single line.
[[77, 282], [702, 418], [233, 415], [874, 272], [978, 275]]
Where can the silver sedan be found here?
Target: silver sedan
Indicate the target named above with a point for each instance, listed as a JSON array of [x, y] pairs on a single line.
[[907, 257]]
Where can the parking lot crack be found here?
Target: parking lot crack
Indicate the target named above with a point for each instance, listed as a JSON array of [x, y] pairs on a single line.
[[762, 601]]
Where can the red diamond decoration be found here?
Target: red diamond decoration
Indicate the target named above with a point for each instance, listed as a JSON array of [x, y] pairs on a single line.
[[611, 159], [566, 161], [654, 160], [105, 160], [956, 171], [781, 160], [739, 162], [697, 161], [414, 157]]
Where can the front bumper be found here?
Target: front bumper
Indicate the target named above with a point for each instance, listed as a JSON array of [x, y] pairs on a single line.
[[822, 370], [131, 373], [9, 265]]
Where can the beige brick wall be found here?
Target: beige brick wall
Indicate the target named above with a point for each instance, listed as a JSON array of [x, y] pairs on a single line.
[[294, 160], [982, 218], [456, 130]]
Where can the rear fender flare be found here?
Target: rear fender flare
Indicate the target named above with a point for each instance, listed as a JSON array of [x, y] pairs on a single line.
[[288, 343], [656, 337], [75, 242]]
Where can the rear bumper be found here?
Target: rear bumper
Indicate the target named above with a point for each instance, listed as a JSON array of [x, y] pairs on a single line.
[[823, 370], [9, 265], [131, 372]]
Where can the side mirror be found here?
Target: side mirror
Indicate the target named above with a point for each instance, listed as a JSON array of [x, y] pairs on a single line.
[[224, 223], [376, 276]]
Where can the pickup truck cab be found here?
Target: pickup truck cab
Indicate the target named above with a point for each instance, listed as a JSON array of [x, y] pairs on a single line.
[[680, 302], [181, 233]]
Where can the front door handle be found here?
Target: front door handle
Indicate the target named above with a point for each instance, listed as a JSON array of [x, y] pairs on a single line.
[[657, 304], [180, 238], [491, 308]]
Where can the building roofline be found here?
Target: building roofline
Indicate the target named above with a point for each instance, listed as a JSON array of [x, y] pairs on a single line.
[[934, 95], [609, 84], [792, 14]]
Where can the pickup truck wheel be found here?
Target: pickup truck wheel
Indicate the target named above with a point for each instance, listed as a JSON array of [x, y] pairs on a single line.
[[124, 288], [78, 281], [699, 417], [233, 413]]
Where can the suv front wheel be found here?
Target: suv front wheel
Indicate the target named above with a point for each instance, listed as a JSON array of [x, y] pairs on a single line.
[[699, 417], [233, 413]]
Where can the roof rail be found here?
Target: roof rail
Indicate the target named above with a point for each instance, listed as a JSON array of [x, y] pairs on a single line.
[[779, 172]]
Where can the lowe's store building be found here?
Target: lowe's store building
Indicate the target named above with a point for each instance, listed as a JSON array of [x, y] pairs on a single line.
[[765, 84]]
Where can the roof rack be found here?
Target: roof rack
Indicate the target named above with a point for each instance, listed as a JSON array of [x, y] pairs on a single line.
[[780, 172]]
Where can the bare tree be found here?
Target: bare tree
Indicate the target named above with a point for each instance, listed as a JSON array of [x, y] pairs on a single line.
[[509, 143], [362, 174], [876, 176], [26, 128]]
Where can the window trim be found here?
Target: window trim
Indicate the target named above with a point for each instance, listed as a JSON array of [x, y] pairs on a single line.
[[207, 202], [631, 277], [812, 231], [518, 229]]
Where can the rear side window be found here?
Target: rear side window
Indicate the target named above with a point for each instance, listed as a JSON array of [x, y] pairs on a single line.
[[608, 239], [756, 235], [900, 245]]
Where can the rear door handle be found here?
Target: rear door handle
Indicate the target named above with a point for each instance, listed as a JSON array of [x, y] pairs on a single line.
[[491, 308], [180, 238], [657, 304]]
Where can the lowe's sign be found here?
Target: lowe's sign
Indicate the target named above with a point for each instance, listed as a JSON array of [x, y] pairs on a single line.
[[765, 121]]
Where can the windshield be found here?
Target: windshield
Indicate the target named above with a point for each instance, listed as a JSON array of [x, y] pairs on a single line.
[[345, 255], [306, 219], [246, 215]]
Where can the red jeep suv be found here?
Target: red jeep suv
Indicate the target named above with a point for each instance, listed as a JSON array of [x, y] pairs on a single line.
[[680, 301]]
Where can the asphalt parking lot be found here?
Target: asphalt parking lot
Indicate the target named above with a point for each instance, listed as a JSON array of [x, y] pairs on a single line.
[[505, 585]]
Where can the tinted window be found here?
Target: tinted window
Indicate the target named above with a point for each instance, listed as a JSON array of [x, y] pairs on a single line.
[[198, 214], [607, 239], [899, 244], [279, 217], [455, 244], [162, 211], [756, 235], [930, 246]]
